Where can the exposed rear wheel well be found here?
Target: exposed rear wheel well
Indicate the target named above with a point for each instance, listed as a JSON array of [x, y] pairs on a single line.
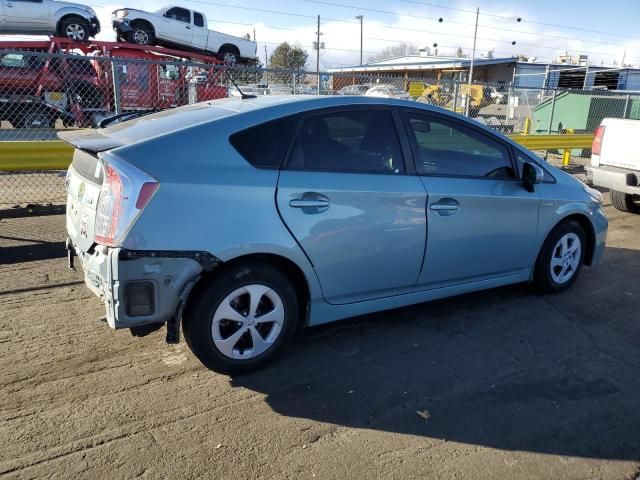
[[229, 48], [289, 268]]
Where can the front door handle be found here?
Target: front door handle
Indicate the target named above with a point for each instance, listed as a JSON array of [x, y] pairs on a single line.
[[445, 206], [188, 27]]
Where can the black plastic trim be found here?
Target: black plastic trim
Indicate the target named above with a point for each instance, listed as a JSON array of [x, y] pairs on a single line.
[[208, 261]]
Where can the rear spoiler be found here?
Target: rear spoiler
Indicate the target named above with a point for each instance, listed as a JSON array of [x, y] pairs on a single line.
[[92, 141]]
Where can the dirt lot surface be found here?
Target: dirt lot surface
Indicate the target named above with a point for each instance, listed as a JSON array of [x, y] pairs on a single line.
[[515, 385]]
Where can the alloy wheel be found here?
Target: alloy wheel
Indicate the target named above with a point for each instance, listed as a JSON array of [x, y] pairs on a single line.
[[247, 322], [141, 37], [565, 258], [75, 31]]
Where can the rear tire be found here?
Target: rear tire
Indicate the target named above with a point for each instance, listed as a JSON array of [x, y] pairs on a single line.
[[222, 330], [625, 202], [560, 259], [229, 54]]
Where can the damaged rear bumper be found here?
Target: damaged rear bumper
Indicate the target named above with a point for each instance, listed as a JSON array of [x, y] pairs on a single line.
[[142, 287]]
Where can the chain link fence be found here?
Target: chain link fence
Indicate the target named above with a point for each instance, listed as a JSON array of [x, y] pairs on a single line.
[[42, 93]]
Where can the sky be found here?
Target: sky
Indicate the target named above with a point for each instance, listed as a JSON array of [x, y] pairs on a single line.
[[547, 28]]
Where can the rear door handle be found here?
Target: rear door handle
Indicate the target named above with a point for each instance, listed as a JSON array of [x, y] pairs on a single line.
[[445, 206], [309, 203]]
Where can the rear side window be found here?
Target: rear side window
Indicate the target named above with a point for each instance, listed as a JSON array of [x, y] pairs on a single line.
[[198, 19], [453, 149], [356, 141], [180, 14], [264, 145]]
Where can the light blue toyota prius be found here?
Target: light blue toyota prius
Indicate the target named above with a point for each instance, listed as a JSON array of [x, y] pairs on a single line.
[[243, 219]]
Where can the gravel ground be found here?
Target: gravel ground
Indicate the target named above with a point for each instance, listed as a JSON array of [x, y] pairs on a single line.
[[515, 385]]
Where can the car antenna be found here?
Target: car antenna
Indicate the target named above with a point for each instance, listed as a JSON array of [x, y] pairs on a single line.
[[243, 95]]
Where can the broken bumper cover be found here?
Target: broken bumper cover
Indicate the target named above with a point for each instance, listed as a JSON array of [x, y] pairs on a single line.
[[121, 26], [94, 24], [142, 287]]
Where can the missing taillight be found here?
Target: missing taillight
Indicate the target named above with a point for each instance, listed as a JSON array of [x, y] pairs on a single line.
[[596, 146]]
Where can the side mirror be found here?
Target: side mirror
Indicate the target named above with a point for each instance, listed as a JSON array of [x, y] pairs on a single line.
[[531, 175]]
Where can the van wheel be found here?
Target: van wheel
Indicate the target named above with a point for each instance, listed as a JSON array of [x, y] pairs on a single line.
[[625, 202], [241, 319], [561, 258]]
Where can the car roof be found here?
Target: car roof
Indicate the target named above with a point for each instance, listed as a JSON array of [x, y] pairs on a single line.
[[242, 113]]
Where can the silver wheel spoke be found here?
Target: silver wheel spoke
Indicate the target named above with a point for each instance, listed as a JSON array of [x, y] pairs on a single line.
[[556, 262], [259, 343], [276, 315], [256, 292], [227, 312], [226, 346]]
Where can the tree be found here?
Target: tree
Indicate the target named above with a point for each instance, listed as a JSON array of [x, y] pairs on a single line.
[[459, 52], [399, 50], [490, 54], [247, 36], [288, 57]]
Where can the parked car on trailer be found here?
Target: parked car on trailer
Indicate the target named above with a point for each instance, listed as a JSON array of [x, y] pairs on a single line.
[[182, 28], [36, 89], [248, 218], [48, 17]]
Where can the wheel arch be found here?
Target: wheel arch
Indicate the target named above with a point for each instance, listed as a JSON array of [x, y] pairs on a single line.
[[229, 47], [292, 270], [589, 231], [143, 22], [66, 15]]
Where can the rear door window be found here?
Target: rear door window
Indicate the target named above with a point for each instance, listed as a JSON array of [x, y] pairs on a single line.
[[450, 148], [265, 145], [198, 19], [356, 141]]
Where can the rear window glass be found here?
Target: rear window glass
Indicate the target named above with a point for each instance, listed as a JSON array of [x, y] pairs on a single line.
[[264, 145]]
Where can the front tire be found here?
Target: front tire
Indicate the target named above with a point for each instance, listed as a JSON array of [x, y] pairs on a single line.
[[74, 28], [560, 260], [141, 35], [625, 202], [241, 319]]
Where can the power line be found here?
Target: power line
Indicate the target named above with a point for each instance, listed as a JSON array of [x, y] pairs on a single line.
[[422, 17], [518, 19]]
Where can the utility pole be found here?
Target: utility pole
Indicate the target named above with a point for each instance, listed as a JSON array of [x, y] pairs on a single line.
[[360, 17], [318, 53], [254, 34], [473, 56], [266, 65]]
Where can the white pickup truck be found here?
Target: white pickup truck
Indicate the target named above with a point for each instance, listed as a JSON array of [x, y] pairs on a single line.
[[179, 28], [615, 162]]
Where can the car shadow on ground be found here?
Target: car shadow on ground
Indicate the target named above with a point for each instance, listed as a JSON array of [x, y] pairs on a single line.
[[30, 252], [505, 368]]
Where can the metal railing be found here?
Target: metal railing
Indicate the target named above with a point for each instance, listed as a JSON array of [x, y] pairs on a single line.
[[42, 93]]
